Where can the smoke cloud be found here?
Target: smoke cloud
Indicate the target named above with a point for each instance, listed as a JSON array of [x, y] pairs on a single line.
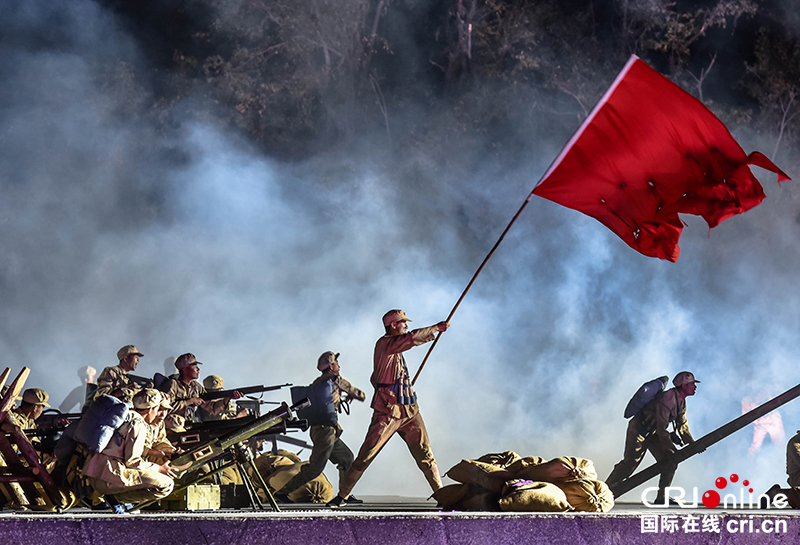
[[115, 232]]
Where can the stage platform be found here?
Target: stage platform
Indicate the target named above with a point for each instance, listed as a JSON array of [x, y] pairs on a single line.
[[403, 521]]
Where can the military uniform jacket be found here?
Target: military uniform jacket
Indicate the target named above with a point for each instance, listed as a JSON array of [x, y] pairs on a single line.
[[19, 419], [114, 378], [340, 385], [122, 461], [178, 392], [390, 365], [793, 460], [666, 407]]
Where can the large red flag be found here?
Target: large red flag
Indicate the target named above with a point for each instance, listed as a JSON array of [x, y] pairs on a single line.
[[648, 151]]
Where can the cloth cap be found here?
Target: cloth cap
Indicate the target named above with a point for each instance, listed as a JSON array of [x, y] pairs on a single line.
[[326, 359], [396, 315], [35, 396], [126, 350], [147, 398], [175, 422], [165, 401], [213, 382], [684, 377], [185, 361]]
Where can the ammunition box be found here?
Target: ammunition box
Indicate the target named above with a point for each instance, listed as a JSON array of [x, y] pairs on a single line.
[[193, 498], [234, 496]]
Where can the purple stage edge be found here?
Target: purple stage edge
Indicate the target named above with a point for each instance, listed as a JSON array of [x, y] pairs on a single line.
[[395, 529]]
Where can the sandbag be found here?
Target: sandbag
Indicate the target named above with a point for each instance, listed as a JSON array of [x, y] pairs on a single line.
[[524, 495], [564, 468], [524, 463], [317, 490], [266, 464], [588, 495], [478, 498], [500, 459], [96, 427], [281, 476], [488, 476], [450, 495]]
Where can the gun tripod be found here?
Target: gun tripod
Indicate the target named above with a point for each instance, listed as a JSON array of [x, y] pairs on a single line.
[[242, 458]]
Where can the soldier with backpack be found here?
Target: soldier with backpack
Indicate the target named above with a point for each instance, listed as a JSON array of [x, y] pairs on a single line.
[[120, 469], [326, 396], [648, 429]]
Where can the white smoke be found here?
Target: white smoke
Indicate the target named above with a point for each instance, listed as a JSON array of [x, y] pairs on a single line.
[[116, 233]]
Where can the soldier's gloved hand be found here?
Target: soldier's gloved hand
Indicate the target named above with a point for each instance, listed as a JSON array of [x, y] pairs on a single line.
[[442, 326], [237, 394]]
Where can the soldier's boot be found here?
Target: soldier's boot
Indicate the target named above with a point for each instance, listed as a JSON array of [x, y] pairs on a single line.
[[347, 484], [432, 476]]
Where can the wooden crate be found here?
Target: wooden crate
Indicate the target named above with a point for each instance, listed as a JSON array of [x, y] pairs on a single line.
[[196, 497]]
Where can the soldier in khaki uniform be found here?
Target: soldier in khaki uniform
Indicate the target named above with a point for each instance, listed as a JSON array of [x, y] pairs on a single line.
[[34, 401], [183, 392], [158, 449], [121, 470], [325, 429], [113, 380], [647, 430], [215, 383], [394, 404], [793, 470]]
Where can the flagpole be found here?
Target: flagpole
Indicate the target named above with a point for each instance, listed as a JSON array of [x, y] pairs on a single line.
[[474, 277]]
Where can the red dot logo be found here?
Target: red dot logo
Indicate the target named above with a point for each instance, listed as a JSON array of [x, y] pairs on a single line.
[[721, 482], [711, 498], [735, 478]]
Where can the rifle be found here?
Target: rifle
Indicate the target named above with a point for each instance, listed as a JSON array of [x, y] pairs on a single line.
[[222, 394], [144, 382], [52, 420], [221, 446]]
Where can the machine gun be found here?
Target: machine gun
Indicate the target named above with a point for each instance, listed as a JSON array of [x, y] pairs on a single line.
[[217, 448], [231, 445], [222, 394], [203, 432]]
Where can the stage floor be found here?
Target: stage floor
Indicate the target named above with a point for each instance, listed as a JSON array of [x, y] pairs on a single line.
[[393, 520]]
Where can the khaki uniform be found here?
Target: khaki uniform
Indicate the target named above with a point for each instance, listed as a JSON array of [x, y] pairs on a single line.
[[388, 376], [793, 470], [647, 430], [157, 441], [326, 439], [121, 469], [114, 378], [229, 412], [19, 419], [178, 392]]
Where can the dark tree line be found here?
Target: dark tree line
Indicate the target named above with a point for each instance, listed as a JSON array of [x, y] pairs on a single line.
[[301, 77]]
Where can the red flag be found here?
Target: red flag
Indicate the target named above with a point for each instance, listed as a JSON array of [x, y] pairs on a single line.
[[648, 151]]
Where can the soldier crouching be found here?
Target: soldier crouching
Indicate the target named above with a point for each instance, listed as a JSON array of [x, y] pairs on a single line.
[[120, 469]]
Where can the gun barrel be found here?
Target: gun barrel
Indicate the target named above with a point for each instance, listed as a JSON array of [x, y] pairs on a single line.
[[201, 454], [222, 394]]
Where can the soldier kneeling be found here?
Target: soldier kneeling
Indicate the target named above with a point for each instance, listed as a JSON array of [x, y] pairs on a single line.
[[120, 469]]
